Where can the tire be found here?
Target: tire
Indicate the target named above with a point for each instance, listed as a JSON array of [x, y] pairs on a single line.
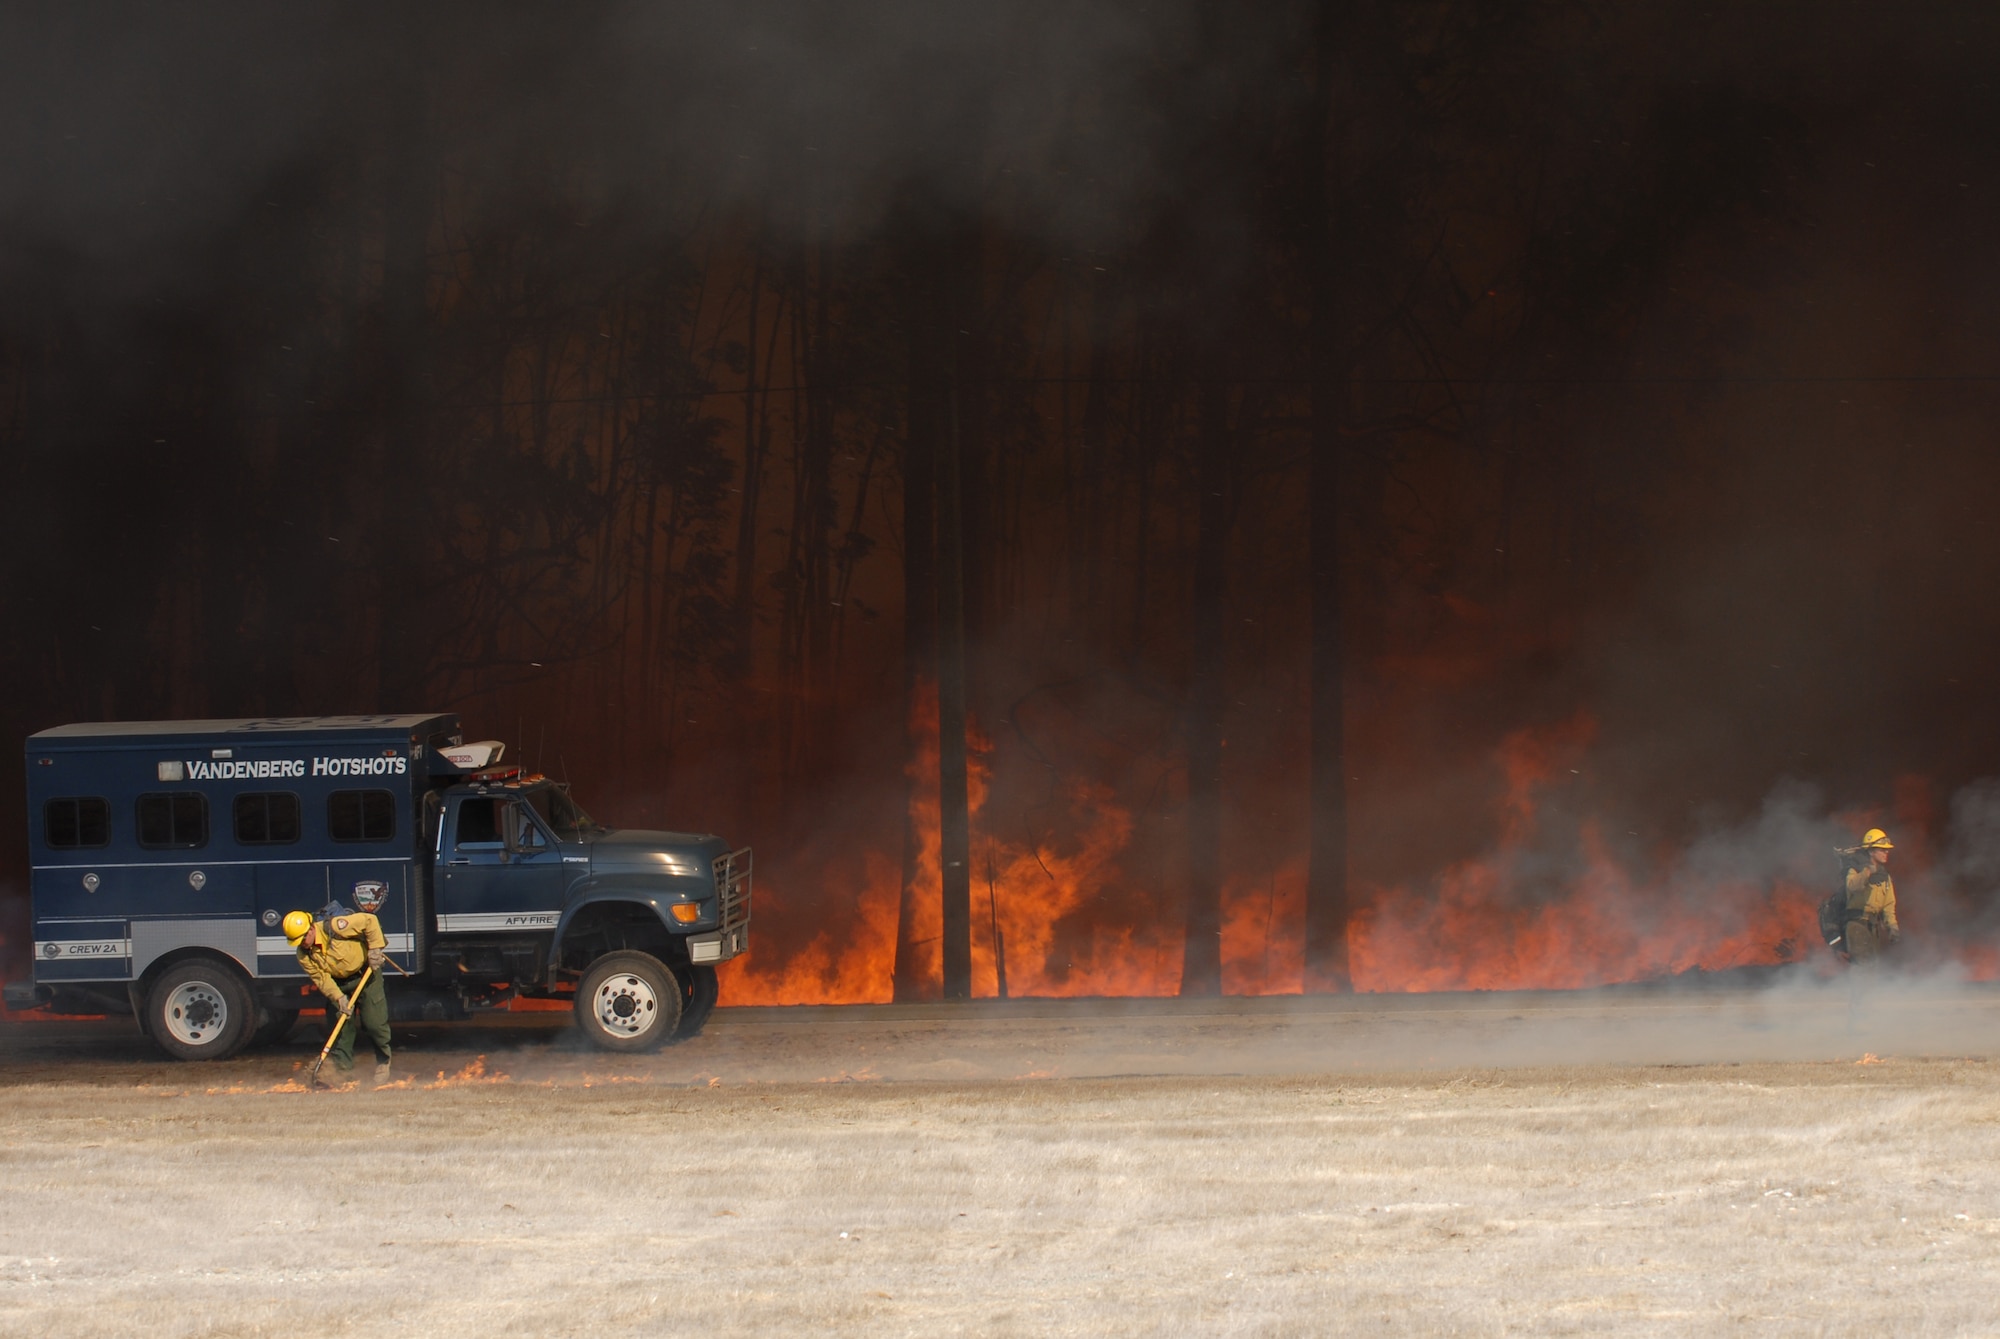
[[699, 989], [273, 1026], [201, 1009], [628, 1002]]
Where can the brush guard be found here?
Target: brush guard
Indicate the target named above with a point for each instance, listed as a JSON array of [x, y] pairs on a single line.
[[732, 897], [732, 888]]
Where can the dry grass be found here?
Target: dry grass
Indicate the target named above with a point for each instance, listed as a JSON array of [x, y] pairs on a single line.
[[1816, 1197]]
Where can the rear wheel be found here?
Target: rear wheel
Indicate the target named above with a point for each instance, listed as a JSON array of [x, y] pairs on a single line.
[[699, 989], [628, 1001], [201, 1010]]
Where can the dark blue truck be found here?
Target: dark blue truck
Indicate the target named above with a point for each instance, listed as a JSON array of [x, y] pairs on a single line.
[[165, 855]]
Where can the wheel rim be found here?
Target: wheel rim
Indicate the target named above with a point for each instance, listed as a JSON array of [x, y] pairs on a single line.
[[197, 1013], [625, 1005]]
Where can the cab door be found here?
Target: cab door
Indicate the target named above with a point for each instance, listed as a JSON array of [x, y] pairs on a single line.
[[501, 870]]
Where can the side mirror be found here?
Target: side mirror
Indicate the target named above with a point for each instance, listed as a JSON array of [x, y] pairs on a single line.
[[521, 834]]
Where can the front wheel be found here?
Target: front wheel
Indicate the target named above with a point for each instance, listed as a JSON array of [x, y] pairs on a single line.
[[628, 1001], [699, 989], [201, 1010]]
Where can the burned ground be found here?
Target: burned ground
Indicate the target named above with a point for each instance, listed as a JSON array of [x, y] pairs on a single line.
[[1695, 1159]]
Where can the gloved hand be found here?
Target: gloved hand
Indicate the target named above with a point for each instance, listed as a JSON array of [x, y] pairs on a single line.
[[343, 1006], [377, 959]]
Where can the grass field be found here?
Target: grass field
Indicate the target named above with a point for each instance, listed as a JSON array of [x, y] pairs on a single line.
[[718, 1189]]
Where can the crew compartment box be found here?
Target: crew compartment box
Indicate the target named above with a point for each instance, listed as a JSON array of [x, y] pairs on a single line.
[[150, 838]]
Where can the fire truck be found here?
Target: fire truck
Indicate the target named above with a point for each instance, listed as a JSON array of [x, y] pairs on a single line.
[[166, 854]]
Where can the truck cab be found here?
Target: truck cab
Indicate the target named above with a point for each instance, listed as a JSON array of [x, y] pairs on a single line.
[[166, 854], [532, 893]]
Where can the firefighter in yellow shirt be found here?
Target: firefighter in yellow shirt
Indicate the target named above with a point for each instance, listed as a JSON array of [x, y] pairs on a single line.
[[1871, 899], [335, 952]]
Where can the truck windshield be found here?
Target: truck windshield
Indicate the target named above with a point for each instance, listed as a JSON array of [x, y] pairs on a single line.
[[560, 812]]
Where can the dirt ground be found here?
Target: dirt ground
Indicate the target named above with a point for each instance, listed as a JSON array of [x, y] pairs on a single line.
[[1664, 1162]]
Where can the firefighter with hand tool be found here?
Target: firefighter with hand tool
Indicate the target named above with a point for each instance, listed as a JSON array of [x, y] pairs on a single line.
[[1871, 899], [337, 954]]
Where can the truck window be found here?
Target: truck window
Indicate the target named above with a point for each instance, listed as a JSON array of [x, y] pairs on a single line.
[[479, 822], [563, 815], [267, 818], [361, 815], [82, 821], [179, 820], [527, 834]]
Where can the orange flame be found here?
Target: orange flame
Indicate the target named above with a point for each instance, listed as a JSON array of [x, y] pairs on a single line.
[[1478, 928], [1037, 898], [1072, 925]]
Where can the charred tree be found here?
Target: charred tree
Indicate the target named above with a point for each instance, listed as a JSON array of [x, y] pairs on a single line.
[[1201, 962], [923, 410], [756, 444], [934, 580], [954, 816], [396, 557], [756, 453], [818, 512], [1326, 911], [1217, 260], [806, 622], [1092, 468]]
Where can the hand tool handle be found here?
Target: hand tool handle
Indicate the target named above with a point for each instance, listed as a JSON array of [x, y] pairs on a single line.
[[353, 1003]]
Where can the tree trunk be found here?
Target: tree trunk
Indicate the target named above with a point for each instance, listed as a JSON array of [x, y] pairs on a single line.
[[981, 501], [756, 450], [1148, 419], [754, 441], [1090, 478], [818, 518], [1201, 962], [847, 556], [954, 817], [1326, 966], [407, 457], [920, 664]]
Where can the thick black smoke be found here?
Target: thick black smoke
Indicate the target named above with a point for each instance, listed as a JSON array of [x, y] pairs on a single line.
[[1670, 390]]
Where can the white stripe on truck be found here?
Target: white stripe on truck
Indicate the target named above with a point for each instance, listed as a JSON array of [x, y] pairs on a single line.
[[473, 922]]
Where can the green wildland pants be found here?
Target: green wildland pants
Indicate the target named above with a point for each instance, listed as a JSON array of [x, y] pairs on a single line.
[[371, 1015], [1864, 947]]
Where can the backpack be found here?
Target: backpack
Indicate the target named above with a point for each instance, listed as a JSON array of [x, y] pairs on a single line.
[[1833, 920], [1833, 911]]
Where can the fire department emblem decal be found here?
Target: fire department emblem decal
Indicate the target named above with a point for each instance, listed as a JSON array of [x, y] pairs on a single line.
[[370, 894]]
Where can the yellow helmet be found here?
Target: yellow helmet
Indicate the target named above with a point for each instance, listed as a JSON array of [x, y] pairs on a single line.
[[1877, 840], [296, 925]]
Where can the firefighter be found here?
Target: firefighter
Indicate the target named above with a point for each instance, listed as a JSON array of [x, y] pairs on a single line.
[[1871, 899], [335, 952]]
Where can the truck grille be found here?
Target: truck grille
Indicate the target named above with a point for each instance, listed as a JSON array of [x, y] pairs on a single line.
[[732, 888]]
